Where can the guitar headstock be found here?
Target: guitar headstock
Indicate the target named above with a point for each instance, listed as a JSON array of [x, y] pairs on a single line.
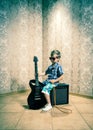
[[35, 59]]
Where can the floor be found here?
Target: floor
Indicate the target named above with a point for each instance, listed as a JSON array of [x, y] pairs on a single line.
[[15, 115]]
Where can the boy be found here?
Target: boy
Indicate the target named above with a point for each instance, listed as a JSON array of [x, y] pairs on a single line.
[[55, 74]]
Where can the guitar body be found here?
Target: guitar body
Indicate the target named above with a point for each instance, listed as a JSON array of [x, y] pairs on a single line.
[[36, 99]]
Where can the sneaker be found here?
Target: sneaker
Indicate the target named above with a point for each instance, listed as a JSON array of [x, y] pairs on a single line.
[[47, 107]]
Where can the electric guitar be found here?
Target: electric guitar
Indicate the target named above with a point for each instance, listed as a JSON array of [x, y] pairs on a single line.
[[36, 99]]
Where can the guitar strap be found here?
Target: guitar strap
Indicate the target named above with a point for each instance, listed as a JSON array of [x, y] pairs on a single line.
[[62, 109]]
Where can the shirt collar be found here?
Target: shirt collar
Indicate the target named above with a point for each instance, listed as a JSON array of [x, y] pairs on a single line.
[[53, 66]]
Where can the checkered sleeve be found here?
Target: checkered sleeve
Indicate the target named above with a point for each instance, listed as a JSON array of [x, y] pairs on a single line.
[[60, 71]]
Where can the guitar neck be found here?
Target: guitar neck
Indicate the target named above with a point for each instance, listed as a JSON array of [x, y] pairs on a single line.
[[36, 75]]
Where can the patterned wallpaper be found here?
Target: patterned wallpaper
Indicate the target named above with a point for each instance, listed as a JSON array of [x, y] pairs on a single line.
[[70, 29], [35, 27], [20, 40]]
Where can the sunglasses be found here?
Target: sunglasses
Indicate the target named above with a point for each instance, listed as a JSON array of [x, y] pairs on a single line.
[[53, 58]]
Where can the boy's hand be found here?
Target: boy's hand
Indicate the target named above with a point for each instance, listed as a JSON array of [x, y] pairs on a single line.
[[52, 81], [56, 80], [41, 74]]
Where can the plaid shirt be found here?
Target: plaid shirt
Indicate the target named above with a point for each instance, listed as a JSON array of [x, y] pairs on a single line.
[[53, 72]]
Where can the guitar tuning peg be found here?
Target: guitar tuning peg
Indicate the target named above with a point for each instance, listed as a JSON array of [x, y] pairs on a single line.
[[35, 59]]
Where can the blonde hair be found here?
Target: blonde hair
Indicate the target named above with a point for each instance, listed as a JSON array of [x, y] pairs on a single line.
[[57, 52]]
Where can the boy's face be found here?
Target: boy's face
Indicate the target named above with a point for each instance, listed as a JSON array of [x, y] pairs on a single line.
[[54, 58]]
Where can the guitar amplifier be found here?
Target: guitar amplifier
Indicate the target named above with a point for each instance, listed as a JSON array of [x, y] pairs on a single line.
[[60, 94]]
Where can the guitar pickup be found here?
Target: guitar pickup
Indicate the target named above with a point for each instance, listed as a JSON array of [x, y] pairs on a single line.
[[37, 98]]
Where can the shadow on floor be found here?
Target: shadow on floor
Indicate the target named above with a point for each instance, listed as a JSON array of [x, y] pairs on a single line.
[[26, 107]]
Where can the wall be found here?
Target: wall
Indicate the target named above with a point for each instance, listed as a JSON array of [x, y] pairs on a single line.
[[20, 40], [35, 27], [68, 27]]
